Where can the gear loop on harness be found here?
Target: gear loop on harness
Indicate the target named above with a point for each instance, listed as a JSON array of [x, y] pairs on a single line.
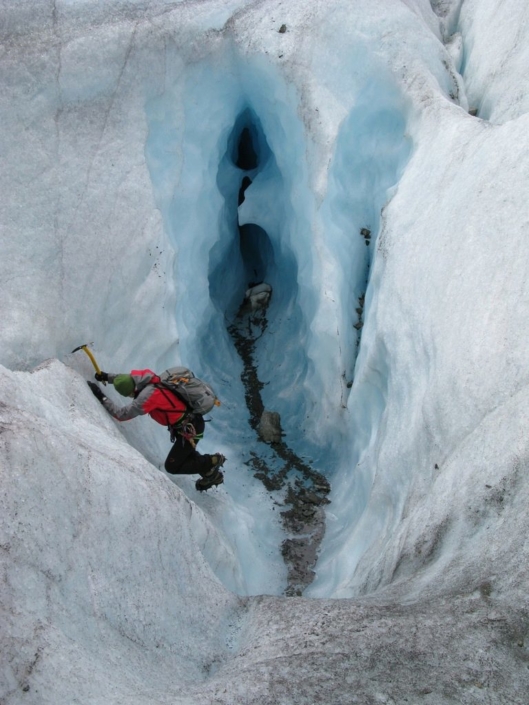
[[185, 428], [188, 431]]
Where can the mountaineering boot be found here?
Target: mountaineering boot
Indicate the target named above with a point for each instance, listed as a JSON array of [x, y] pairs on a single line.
[[213, 476], [218, 460]]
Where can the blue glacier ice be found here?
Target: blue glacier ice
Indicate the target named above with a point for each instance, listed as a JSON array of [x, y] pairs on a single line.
[[368, 161]]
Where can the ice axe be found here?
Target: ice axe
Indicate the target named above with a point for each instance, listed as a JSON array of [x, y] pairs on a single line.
[[91, 356]]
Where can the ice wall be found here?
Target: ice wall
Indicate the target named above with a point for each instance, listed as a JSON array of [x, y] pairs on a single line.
[[433, 358], [496, 81], [84, 248], [120, 226]]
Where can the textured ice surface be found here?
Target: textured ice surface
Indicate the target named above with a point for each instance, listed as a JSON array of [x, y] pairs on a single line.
[[120, 205], [496, 57]]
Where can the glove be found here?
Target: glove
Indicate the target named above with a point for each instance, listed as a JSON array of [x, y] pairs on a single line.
[[96, 391], [101, 376]]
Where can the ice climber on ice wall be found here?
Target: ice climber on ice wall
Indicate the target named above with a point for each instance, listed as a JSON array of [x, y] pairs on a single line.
[[176, 399]]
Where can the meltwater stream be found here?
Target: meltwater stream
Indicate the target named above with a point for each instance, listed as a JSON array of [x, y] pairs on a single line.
[[299, 490]]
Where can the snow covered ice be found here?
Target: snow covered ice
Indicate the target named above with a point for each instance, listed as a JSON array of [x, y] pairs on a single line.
[[387, 209]]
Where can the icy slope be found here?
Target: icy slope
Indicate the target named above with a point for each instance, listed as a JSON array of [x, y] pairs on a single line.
[[104, 581], [398, 361], [444, 341], [496, 81]]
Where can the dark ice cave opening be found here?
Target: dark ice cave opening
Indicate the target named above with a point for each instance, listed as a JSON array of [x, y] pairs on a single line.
[[249, 153], [247, 158], [247, 145]]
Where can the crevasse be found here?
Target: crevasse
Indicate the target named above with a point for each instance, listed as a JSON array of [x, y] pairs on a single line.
[[237, 205]]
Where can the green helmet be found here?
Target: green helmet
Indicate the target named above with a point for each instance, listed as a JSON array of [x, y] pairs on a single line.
[[124, 384]]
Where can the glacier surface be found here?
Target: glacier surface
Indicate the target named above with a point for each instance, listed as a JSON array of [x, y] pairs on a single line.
[[387, 207]]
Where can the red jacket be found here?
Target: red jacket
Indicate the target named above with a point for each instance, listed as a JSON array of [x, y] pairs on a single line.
[[163, 406]]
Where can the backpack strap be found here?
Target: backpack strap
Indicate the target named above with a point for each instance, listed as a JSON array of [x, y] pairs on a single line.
[[164, 388], [170, 396]]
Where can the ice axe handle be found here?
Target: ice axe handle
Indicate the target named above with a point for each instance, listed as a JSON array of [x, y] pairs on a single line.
[[91, 356]]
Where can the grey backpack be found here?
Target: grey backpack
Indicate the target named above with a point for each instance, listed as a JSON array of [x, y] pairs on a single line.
[[198, 396]]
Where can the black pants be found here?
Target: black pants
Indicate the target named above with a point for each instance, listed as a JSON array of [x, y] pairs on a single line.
[[184, 459]]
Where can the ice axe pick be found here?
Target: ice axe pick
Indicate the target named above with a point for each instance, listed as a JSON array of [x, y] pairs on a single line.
[[91, 356]]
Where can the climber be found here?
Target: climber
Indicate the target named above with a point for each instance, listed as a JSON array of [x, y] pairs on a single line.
[[185, 426]]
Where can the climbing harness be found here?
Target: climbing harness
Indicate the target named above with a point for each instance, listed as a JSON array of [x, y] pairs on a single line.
[[185, 429]]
